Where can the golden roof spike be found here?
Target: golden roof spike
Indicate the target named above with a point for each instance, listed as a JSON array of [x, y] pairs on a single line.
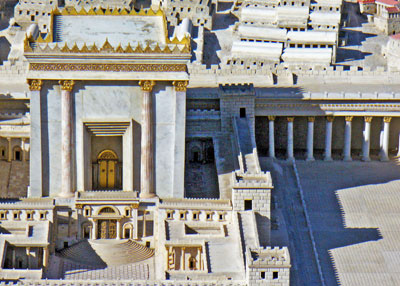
[[124, 12], [119, 49], [128, 48], [75, 48], [116, 12], [94, 49], [82, 12], [65, 49], [91, 11], [108, 11]]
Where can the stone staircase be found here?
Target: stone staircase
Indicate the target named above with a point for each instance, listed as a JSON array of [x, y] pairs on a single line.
[[246, 146], [103, 253], [247, 229], [19, 179]]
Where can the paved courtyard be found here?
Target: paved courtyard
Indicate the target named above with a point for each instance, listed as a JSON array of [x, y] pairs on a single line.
[[354, 210]]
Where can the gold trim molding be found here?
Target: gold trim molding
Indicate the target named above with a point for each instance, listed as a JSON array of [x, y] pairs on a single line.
[[67, 85], [109, 67], [147, 85], [35, 84], [180, 85]]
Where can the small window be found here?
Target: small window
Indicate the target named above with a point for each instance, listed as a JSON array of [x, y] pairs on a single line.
[[87, 212], [242, 112], [29, 215], [33, 18], [248, 205], [209, 216], [221, 217], [127, 212], [65, 244], [3, 215], [196, 216], [42, 215], [262, 274], [16, 215], [170, 215], [275, 275], [182, 215], [147, 243]]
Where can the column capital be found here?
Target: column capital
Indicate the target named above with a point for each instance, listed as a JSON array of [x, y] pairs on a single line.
[[368, 119], [311, 118], [330, 118], [290, 119], [180, 85], [348, 118], [35, 84], [147, 85], [67, 85], [271, 117], [387, 119]]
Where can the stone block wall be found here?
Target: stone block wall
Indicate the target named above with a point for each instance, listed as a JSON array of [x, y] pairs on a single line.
[[260, 200], [266, 276]]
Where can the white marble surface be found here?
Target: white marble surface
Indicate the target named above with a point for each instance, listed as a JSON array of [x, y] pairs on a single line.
[[118, 30]]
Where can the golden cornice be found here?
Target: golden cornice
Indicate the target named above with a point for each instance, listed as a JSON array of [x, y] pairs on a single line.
[[147, 85], [67, 85], [35, 84], [180, 85], [109, 67], [107, 48]]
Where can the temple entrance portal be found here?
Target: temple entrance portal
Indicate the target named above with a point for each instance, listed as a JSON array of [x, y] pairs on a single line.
[[107, 229], [107, 161]]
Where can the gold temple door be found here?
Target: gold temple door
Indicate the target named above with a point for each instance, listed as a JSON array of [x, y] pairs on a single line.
[[107, 229], [107, 160]]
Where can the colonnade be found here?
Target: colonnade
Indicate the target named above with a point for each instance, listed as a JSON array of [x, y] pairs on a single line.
[[384, 152], [147, 152], [9, 156]]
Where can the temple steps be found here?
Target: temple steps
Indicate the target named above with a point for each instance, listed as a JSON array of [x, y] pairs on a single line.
[[102, 253]]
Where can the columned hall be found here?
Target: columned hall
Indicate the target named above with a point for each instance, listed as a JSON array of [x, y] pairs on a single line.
[[342, 137]]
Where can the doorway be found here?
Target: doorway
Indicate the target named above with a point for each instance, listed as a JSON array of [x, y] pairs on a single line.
[[242, 112], [107, 161], [107, 229]]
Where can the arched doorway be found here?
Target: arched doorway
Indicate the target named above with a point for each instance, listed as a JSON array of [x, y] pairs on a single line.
[[86, 230], [107, 161], [128, 231], [107, 228]]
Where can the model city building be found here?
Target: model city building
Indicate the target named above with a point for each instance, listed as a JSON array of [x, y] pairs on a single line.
[[131, 132]]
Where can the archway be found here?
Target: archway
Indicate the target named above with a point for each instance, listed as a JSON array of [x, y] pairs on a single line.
[[107, 161], [17, 153], [86, 230], [128, 231]]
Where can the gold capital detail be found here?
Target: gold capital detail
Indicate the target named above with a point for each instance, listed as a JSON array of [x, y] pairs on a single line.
[[271, 117], [311, 118], [368, 119], [387, 119], [79, 206], [67, 85], [135, 205], [35, 84], [147, 85], [109, 67], [180, 85], [290, 119], [330, 118], [348, 118]]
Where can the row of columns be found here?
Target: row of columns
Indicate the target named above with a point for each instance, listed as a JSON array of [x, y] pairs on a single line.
[[328, 138], [147, 150]]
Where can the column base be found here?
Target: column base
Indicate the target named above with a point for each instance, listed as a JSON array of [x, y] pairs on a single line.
[[66, 195], [384, 159], [347, 159], [366, 159], [290, 159], [328, 159], [147, 195], [310, 159]]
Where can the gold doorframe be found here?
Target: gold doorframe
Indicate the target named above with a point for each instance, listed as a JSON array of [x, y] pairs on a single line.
[[107, 228], [107, 161]]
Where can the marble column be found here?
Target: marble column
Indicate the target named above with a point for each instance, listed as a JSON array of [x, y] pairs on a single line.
[[366, 139], [310, 139], [23, 146], [66, 138], [94, 229], [9, 157], [28, 256], [35, 166], [328, 138], [347, 139], [290, 154], [271, 136], [119, 229], [183, 259], [45, 256], [385, 139], [147, 164], [144, 224]]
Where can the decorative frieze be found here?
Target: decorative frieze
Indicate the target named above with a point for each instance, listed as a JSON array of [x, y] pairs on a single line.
[[108, 67]]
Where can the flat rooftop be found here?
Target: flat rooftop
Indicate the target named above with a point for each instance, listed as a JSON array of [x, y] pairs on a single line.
[[117, 29]]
